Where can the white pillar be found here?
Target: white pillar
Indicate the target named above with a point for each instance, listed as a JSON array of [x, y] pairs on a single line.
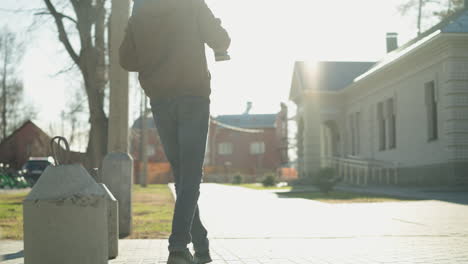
[[312, 134], [117, 171], [366, 175]]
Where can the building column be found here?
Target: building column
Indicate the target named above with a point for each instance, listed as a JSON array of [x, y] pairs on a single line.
[[117, 168], [366, 176], [453, 112], [388, 176], [312, 135]]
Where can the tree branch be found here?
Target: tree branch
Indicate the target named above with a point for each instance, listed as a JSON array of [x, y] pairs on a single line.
[[65, 70], [19, 10], [63, 36], [60, 15]]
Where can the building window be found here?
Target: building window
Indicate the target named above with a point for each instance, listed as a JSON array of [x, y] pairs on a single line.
[[225, 148], [150, 150], [391, 116], [257, 148], [431, 108], [382, 126]]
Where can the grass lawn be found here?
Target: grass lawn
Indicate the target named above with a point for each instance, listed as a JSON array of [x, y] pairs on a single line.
[[259, 186], [152, 213], [11, 215], [342, 197], [153, 208]]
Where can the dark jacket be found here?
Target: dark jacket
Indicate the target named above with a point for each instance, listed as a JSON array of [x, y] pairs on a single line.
[[165, 43]]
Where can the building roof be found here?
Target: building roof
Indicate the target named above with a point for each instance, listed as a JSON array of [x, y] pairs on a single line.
[[248, 121], [336, 76], [149, 122], [26, 123], [330, 76], [456, 23], [237, 129]]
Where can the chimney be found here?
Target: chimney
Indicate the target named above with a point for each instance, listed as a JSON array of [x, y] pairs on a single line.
[[249, 107], [392, 41]]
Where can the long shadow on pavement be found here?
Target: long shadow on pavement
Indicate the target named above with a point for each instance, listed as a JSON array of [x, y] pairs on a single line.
[[452, 195], [19, 254]]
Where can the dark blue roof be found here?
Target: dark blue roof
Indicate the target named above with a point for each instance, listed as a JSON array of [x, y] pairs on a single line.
[[330, 75], [248, 120], [457, 24], [149, 122], [241, 121]]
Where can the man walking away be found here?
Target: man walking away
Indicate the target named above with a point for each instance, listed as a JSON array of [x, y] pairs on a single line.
[[165, 43]]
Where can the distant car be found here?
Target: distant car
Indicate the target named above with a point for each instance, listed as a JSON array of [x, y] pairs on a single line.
[[34, 167]]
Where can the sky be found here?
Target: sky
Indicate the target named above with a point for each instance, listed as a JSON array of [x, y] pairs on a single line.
[[268, 36]]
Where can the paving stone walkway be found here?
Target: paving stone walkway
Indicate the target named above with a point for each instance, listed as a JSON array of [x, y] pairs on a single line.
[[248, 226]]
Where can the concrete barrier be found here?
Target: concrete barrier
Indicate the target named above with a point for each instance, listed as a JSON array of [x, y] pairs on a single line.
[[112, 222], [66, 218]]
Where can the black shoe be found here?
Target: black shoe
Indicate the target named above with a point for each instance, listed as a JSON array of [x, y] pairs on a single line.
[[202, 257], [180, 257]]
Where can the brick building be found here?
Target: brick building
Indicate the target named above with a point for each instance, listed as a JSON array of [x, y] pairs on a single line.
[[250, 144], [29, 141], [159, 170]]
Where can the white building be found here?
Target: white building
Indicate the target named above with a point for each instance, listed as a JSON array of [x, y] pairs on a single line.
[[403, 120]]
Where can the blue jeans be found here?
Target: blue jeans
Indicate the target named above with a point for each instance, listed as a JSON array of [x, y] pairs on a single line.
[[182, 124]]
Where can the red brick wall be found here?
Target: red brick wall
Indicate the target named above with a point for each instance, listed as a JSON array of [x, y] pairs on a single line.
[[282, 134], [155, 162], [241, 159], [153, 140]]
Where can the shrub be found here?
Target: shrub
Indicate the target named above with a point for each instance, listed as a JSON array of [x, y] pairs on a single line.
[[237, 179], [326, 180], [303, 180], [270, 180]]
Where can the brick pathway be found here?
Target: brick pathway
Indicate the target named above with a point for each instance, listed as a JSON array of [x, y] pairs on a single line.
[[394, 250], [248, 226]]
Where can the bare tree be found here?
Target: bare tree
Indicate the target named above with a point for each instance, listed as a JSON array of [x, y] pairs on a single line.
[[450, 8], [428, 9], [73, 115], [87, 19], [14, 110]]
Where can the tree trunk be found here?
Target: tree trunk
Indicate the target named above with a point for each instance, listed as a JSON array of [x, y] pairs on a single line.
[[4, 88], [91, 61], [420, 7], [97, 144]]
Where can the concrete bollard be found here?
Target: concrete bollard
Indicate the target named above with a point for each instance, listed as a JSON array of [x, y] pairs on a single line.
[[65, 218], [117, 175], [112, 222]]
